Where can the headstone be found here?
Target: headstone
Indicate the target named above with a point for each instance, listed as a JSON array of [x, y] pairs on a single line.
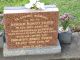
[[31, 32]]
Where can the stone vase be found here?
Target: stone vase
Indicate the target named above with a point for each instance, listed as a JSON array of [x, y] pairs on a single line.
[[65, 36], [1, 39]]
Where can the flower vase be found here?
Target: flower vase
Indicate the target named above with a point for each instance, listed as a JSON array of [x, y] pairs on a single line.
[[65, 36], [1, 39]]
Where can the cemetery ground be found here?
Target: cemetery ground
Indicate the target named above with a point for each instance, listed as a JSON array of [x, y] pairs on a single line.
[[65, 6]]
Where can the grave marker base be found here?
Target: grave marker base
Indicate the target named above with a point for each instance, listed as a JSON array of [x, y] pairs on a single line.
[[31, 51]]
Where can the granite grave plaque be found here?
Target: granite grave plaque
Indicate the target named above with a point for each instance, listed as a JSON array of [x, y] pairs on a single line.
[[31, 30], [28, 30]]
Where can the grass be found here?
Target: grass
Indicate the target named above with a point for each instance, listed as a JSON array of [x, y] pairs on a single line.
[[65, 6]]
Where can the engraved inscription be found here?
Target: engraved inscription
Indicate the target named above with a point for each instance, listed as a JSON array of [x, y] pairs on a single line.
[[29, 30]]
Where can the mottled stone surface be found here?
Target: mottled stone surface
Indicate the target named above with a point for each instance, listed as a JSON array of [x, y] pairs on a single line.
[[69, 51]]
